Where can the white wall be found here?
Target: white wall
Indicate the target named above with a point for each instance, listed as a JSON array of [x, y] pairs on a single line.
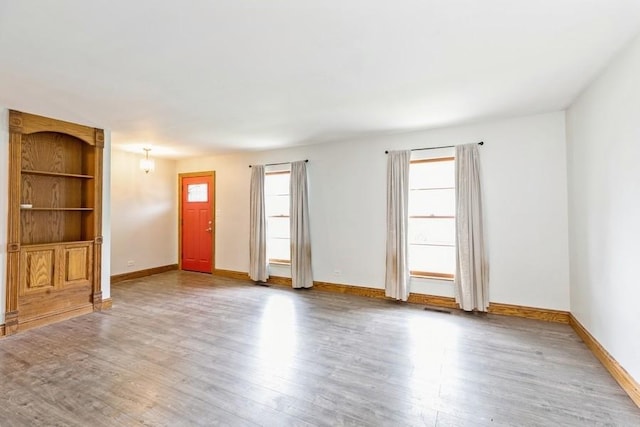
[[524, 173], [106, 216], [603, 139], [144, 219]]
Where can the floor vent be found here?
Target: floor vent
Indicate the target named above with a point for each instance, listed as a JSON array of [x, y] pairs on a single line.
[[438, 310]]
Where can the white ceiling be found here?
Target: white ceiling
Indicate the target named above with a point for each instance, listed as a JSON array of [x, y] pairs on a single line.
[[198, 76]]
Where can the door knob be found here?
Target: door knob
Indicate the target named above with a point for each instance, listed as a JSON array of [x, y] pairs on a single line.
[[208, 229]]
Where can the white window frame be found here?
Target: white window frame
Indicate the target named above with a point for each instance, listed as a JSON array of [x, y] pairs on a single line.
[[433, 274], [276, 260]]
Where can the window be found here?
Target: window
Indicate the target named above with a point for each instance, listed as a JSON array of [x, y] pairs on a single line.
[[197, 192], [276, 190], [432, 210]]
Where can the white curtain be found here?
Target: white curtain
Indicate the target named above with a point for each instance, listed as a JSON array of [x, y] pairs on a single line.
[[472, 271], [258, 262], [301, 276], [397, 272]]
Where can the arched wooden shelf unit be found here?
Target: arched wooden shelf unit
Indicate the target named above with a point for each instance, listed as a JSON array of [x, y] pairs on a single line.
[[55, 221]]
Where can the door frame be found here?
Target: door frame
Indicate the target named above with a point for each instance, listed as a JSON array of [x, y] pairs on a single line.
[[212, 193]]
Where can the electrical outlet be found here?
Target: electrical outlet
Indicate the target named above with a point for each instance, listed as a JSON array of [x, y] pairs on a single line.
[[130, 263]]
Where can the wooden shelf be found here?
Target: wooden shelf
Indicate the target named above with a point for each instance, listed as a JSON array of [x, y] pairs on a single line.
[[64, 175], [64, 242], [56, 209]]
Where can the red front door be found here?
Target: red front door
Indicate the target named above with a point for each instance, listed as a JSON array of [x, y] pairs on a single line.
[[197, 223]]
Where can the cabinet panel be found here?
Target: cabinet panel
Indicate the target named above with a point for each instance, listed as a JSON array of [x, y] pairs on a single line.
[[39, 307], [52, 152], [78, 264], [37, 273], [51, 192], [38, 227]]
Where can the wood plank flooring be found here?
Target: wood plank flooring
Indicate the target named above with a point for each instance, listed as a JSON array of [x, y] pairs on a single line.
[[192, 349]]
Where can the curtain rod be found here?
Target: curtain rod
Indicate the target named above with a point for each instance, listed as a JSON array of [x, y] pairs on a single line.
[[281, 163], [434, 148]]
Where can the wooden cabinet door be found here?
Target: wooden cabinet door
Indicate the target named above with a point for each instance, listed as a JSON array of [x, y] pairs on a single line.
[[38, 270], [77, 264], [55, 281]]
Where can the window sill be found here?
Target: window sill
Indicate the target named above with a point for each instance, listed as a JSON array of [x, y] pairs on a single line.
[[285, 263], [421, 276]]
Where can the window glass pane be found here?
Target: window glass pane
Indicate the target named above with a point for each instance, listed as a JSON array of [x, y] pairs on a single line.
[[432, 175], [432, 259], [277, 205], [276, 188], [432, 240], [278, 228], [276, 184], [197, 192], [432, 202], [278, 249], [434, 231]]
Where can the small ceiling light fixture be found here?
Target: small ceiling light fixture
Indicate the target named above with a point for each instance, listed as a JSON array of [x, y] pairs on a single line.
[[147, 164]]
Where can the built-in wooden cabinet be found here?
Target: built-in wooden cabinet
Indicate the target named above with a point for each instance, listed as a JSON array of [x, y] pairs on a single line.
[[55, 218]]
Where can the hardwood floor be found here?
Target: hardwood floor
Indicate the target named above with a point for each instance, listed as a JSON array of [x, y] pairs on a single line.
[[191, 349]]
